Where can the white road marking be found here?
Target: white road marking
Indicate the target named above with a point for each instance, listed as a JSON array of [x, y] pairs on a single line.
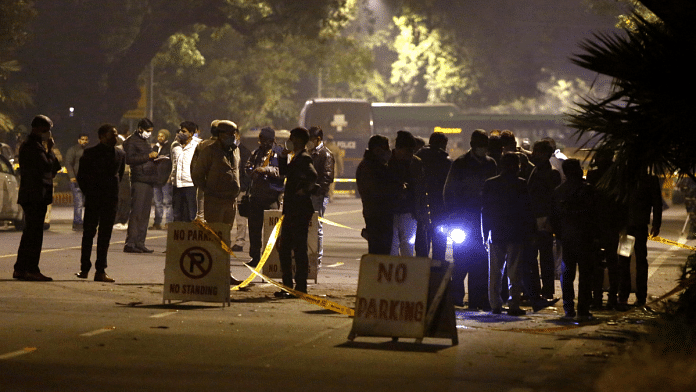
[[98, 331], [25, 350], [165, 314]]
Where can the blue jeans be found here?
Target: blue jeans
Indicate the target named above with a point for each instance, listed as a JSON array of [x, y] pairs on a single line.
[[319, 203], [78, 203], [163, 203]]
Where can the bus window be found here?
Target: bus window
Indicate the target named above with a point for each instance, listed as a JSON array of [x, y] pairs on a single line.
[[349, 121]]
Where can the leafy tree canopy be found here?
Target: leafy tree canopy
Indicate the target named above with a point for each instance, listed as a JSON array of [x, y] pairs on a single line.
[[644, 119]]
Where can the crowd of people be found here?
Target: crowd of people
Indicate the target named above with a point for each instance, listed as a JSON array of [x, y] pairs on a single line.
[[188, 178], [509, 214], [506, 211]]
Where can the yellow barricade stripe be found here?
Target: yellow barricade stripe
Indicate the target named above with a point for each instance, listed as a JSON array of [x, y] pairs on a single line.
[[313, 299], [670, 242], [267, 252], [332, 223]]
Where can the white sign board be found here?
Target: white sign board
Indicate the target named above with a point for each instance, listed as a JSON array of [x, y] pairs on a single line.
[[392, 296], [272, 266], [197, 268]]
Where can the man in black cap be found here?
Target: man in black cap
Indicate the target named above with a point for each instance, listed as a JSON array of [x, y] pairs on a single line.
[[297, 209], [324, 164], [38, 166], [101, 170], [265, 189]]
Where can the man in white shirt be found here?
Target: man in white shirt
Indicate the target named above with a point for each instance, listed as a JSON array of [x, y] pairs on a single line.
[[184, 202]]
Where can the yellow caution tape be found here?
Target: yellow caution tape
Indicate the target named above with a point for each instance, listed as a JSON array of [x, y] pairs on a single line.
[[313, 299], [332, 223], [670, 242], [267, 252]]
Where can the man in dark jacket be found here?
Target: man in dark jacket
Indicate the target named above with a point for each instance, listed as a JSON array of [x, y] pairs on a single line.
[[542, 181], [38, 166], [463, 202], [507, 224], [163, 188], [436, 166], [574, 222], [644, 199], [409, 206], [324, 164], [72, 165], [265, 189], [143, 174], [297, 211], [101, 170], [377, 187], [611, 219]]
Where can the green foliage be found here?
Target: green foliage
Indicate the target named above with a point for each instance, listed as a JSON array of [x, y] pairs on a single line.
[[643, 119], [428, 63], [15, 16]]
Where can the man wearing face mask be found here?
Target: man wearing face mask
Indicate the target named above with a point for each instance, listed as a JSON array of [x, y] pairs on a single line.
[[378, 188], [297, 211], [184, 202], [216, 171], [462, 195], [38, 166], [324, 164], [143, 173], [265, 189]]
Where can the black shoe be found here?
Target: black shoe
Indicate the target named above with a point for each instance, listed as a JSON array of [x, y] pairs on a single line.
[[542, 304], [497, 311], [585, 316], [622, 306], [283, 294], [103, 277], [237, 248], [144, 249], [36, 277], [516, 312], [639, 303], [77, 227], [81, 274], [132, 249]]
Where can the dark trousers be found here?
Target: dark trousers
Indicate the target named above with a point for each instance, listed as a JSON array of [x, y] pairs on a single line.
[[529, 271], [577, 254], [544, 245], [101, 214], [184, 204], [293, 240], [30, 245], [607, 258], [379, 234], [427, 235], [141, 204], [640, 250], [255, 222], [470, 258]]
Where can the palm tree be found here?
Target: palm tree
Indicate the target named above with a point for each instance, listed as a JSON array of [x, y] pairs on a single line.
[[646, 119]]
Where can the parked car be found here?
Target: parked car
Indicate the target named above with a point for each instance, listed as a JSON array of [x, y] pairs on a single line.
[[9, 190]]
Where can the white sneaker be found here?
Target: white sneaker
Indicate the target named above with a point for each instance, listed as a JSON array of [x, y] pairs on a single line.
[[121, 226]]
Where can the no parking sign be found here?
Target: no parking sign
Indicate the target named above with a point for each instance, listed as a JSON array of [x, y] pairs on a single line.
[[197, 268]]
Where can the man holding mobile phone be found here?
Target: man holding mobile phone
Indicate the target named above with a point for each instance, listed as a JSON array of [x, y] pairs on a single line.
[[38, 166]]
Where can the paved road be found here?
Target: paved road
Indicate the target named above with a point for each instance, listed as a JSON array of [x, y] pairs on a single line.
[[87, 336]]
